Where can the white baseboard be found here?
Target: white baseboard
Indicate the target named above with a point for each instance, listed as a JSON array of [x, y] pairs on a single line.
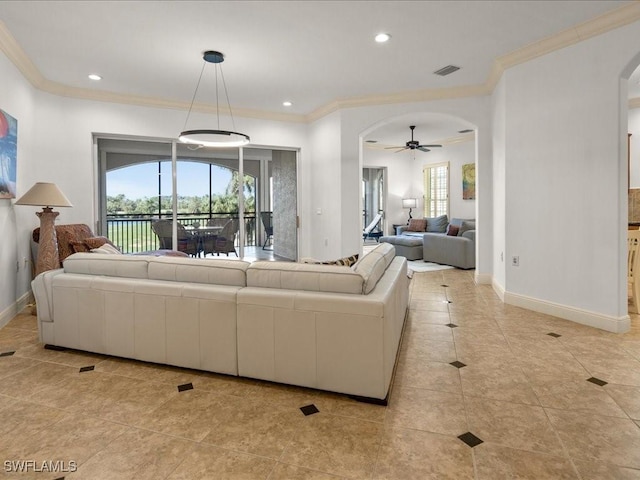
[[499, 289], [12, 310], [483, 278], [584, 317]]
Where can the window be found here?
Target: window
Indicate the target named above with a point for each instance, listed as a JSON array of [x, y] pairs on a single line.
[[436, 189]]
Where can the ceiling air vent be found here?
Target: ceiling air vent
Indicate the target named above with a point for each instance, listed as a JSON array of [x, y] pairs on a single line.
[[449, 69], [468, 130]]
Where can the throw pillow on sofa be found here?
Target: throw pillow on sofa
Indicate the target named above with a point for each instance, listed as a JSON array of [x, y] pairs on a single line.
[[108, 249], [437, 224], [465, 226], [417, 225], [345, 261], [452, 230]]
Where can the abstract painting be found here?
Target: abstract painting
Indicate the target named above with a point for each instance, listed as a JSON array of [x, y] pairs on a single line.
[[8, 154], [469, 181]]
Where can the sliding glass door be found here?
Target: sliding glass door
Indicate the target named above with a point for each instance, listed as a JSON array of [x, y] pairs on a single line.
[[137, 180]]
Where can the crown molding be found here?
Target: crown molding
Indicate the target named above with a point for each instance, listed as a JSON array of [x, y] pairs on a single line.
[[617, 18], [402, 97], [157, 102], [609, 21], [14, 52]]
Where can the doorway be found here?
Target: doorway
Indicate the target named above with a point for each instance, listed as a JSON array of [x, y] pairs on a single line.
[[374, 191], [141, 181]]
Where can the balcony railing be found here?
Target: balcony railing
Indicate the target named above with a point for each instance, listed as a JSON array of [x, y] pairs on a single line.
[[133, 233]]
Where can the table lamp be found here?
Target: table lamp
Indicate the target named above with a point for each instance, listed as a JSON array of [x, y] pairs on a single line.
[[409, 203], [46, 195]]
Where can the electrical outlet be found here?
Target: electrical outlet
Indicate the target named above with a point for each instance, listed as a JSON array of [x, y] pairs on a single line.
[[515, 261]]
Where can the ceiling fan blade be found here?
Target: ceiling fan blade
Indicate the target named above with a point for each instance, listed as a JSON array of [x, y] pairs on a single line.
[[401, 150], [422, 149], [392, 147], [429, 146]]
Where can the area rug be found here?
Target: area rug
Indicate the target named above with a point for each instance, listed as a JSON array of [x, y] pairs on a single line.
[[420, 266]]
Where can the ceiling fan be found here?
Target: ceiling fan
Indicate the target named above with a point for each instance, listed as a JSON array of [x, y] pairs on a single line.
[[413, 144]]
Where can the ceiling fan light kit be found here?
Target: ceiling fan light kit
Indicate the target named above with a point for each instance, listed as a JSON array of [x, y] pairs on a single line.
[[213, 137]]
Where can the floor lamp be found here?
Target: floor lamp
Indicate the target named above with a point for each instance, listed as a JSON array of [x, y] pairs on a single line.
[[46, 195]]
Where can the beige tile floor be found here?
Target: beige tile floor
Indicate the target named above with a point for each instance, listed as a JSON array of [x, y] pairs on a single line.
[[522, 392]]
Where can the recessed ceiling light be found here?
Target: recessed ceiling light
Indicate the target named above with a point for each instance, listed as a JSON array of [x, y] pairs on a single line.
[[287, 103], [94, 76], [382, 37]]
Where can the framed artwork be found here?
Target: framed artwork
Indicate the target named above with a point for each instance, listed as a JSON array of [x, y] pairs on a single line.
[[8, 154], [469, 181]]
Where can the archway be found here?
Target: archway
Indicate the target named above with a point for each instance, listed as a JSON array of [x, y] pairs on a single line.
[[405, 166]]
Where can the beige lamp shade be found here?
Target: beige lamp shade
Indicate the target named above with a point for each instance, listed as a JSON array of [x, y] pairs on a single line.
[[44, 194], [409, 202]]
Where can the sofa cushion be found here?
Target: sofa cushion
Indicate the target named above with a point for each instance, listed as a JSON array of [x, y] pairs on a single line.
[[417, 225], [304, 276], [128, 266], [437, 224], [466, 225], [195, 270], [452, 230]]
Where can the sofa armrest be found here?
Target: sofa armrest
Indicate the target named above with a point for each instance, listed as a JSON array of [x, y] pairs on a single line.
[[470, 234], [43, 294], [449, 250]]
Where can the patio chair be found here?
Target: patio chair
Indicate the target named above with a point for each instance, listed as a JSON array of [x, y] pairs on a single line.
[[208, 239], [267, 223], [225, 241], [368, 232], [187, 242]]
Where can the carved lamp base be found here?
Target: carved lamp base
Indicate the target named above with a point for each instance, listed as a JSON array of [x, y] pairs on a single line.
[[48, 258]]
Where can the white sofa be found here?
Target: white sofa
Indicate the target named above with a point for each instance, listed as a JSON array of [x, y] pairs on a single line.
[[328, 327]]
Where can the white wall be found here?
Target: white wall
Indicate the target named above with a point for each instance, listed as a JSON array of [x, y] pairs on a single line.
[[565, 155], [17, 99], [499, 186], [324, 219]]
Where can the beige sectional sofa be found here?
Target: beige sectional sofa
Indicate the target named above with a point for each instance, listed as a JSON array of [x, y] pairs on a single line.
[[328, 327]]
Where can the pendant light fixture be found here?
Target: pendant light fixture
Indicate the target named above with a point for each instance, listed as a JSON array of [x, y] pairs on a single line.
[[217, 137]]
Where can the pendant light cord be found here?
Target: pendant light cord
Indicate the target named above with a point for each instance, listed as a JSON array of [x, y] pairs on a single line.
[[204, 64], [224, 84]]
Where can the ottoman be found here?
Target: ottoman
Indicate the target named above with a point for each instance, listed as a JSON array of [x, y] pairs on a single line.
[[406, 246]]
